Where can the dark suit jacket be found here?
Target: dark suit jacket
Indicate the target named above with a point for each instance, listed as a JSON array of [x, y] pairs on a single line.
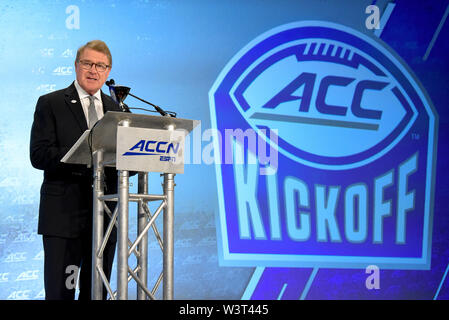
[[66, 194]]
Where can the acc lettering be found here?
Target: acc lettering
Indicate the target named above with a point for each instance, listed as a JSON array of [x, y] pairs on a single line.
[[28, 275], [4, 277], [307, 80], [155, 146], [47, 52], [46, 87], [141, 145], [68, 53], [19, 295], [63, 71], [72, 277], [24, 237], [16, 257]]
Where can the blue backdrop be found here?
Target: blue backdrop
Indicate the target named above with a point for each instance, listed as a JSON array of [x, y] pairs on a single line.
[[174, 54]]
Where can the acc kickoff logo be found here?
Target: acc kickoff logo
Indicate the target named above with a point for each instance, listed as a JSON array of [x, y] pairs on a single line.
[[356, 136]]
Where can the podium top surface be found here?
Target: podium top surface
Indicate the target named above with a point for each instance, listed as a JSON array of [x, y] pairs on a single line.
[[104, 134], [112, 119]]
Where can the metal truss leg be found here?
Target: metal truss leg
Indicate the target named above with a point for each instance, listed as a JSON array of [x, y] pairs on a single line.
[[122, 241], [97, 223], [124, 246], [142, 260], [168, 256]]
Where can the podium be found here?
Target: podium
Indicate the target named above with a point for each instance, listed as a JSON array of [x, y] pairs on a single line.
[[142, 143]]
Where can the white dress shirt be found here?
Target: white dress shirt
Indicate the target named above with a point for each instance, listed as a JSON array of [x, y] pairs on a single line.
[[84, 99]]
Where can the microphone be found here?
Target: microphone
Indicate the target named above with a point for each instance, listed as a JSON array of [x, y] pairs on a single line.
[[119, 94], [110, 84]]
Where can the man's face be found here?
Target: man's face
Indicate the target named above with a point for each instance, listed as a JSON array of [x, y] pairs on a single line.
[[91, 80]]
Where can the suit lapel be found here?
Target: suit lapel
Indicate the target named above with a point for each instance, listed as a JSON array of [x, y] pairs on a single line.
[[73, 102]]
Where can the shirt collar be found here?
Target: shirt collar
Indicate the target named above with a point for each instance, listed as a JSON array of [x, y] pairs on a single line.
[[83, 94]]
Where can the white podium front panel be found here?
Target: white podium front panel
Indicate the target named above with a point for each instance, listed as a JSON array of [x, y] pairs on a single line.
[[150, 150]]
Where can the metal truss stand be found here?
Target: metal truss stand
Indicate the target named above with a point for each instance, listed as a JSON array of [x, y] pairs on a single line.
[[125, 247], [105, 145]]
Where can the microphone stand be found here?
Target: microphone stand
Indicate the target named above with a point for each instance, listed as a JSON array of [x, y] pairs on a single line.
[[158, 109], [119, 94]]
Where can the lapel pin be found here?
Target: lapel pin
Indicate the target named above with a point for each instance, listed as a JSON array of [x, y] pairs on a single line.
[[73, 101]]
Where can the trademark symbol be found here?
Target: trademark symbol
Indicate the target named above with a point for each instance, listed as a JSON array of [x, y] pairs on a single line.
[[415, 136]]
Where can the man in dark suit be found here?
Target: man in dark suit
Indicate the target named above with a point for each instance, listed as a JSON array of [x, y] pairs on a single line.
[[65, 212]]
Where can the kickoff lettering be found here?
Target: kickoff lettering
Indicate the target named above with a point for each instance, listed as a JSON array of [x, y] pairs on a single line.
[[299, 206]]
